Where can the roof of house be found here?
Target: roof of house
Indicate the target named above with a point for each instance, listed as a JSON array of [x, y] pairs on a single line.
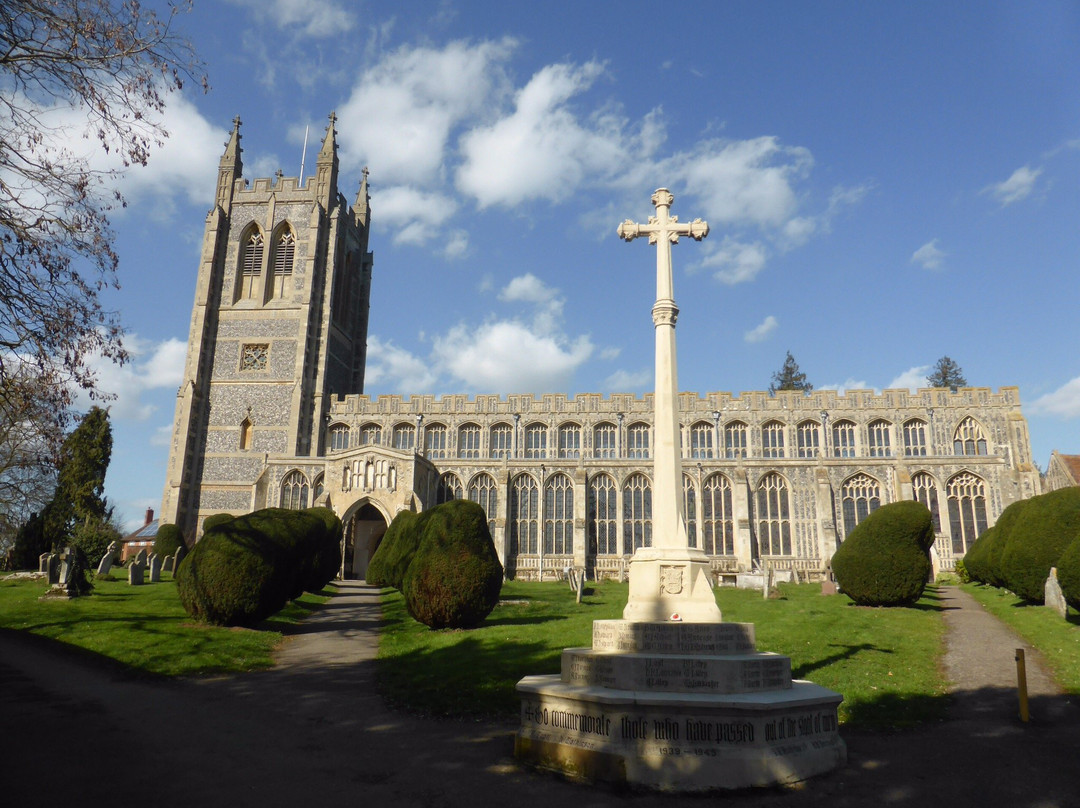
[[147, 531]]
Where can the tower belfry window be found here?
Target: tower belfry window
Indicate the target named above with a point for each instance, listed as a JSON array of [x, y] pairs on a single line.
[[251, 266], [284, 253]]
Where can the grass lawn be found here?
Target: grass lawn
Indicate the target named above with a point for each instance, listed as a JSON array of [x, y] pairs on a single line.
[[144, 627], [884, 661], [1057, 639]]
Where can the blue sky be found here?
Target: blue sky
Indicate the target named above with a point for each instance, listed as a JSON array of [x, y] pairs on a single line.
[[885, 184]]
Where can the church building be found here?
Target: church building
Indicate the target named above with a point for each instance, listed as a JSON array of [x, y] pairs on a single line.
[[271, 412]]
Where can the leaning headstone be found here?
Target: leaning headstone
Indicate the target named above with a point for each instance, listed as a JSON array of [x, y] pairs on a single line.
[[66, 561], [105, 565], [43, 562], [1053, 595], [142, 557], [181, 551], [167, 564], [155, 568], [53, 568]]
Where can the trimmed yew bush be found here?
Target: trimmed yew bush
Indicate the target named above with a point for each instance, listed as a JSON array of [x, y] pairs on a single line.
[[215, 519], [884, 561], [395, 552], [326, 549], [977, 559], [168, 540], [455, 575], [1046, 526]]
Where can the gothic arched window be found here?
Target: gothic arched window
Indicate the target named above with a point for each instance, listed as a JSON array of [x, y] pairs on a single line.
[[637, 512], [701, 440], [502, 440], [536, 441], [370, 435], [717, 527], [808, 435], [524, 515], [773, 516], [485, 493], [404, 437], [435, 441], [603, 515], [690, 509], [969, 438], [879, 438], [294, 491], [605, 443], [860, 496], [772, 439], [449, 488], [284, 254], [245, 435], [339, 437], [915, 438], [559, 515], [569, 441], [843, 439], [735, 440], [967, 510], [251, 256], [637, 441], [925, 490], [468, 441]]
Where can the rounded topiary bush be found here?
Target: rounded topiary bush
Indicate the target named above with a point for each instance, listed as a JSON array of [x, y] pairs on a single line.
[[325, 549], [1048, 524], [977, 559], [212, 521], [455, 576], [1068, 573], [884, 561], [168, 540], [395, 552]]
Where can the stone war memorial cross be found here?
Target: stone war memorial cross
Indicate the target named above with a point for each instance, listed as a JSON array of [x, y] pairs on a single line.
[[670, 697], [669, 579]]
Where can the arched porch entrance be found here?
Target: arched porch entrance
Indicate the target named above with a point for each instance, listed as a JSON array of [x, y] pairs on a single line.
[[363, 532]]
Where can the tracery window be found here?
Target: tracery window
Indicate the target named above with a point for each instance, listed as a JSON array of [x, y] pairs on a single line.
[[967, 510], [603, 514], [860, 496], [250, 266], [690, 509], [717, 528], [449, 488], [808, 436], [879, 435], [969, 438], [370, 435], [773, 517], [637, 512], [569, 441], [502, 440], [559, 515], [294, 491], [772, 439], [435, 441], [524, 510], [284, 251], [254, 356], [915, 438], [925, 491], [735, 440], [843, 434], [637, 441], [404, 437], [339, 437], [317, 488], [701, 441], [469, 441], [485, 493], [605, 441], [536, 441]]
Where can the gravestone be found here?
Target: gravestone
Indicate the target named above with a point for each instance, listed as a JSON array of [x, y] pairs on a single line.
[[167, 564], [670, 697], [105, 566], [137, 570], [43, 562], [1053, 595], [181, 552], [155, 568]]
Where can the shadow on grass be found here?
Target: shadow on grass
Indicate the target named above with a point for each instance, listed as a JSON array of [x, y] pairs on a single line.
[[804, 670]]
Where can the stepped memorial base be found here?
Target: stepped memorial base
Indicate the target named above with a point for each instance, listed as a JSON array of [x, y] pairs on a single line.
[[678, 707]]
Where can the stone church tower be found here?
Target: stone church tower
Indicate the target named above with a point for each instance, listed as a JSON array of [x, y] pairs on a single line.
[[279, 326]]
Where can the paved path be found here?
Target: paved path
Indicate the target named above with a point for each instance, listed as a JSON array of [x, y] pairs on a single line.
[[313, 730]]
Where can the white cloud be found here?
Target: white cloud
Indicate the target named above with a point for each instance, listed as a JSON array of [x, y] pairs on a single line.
[[314, 18], [610, 353], [1019, 185], [1063, 402], [393, 368], [528, 288], [508, 357], [456, 245], [762, 331], [401, 113], [911, 379], [624, 381], [928, 256], [152, 367], [735, 261], [416, 215], [542, 150], [847, 384]]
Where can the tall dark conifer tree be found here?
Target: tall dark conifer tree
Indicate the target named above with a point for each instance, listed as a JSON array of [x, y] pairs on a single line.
[[80, 485], [789, 377]]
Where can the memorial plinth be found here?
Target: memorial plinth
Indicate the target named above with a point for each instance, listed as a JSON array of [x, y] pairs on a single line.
[[678, 707], [670, 697]]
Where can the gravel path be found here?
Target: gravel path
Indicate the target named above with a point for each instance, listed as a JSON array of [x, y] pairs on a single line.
[[313, 730]]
